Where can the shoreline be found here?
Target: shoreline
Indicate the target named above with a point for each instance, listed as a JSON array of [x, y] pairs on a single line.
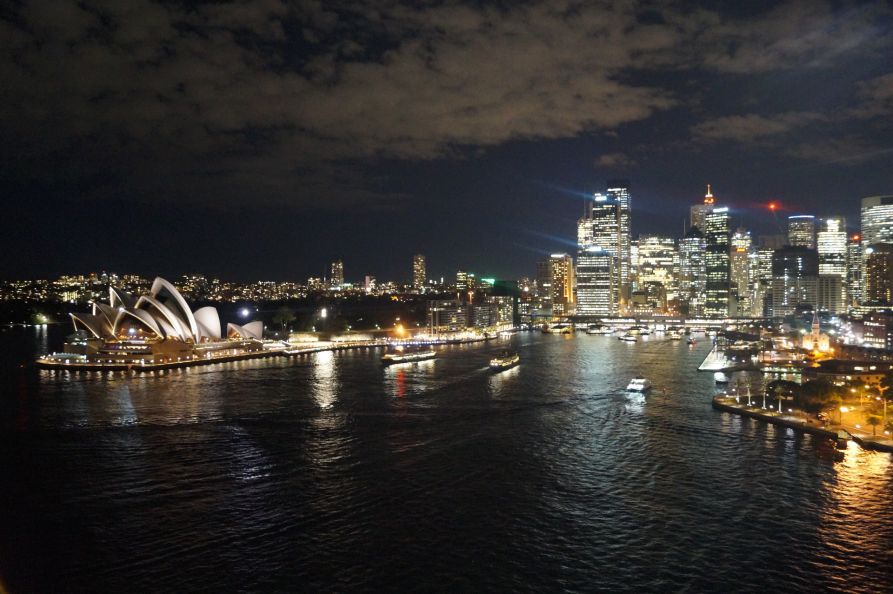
[[65, 365], [790, 421]]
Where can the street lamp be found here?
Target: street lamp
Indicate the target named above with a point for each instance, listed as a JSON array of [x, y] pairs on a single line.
[[843, 409]]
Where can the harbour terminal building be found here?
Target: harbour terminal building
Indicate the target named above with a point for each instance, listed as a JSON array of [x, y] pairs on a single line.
[[158, 328]]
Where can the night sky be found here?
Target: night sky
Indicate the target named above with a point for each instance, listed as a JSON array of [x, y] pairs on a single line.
[[260, 140]]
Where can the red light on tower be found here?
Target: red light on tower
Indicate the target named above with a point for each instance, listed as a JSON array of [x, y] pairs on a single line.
[[773, 206], [856, 238]]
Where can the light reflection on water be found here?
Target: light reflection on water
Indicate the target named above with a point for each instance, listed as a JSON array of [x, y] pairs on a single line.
[[335, 472]]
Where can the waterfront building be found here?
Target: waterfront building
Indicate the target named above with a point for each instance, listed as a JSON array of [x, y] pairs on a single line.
[[447, 315], [699, 212], [716, 262], [158, 327], [795, 271], [562, 268], [739, 263], [878, 274], [801, 231], [419, 274], [336, 279], [619, 191], [693, 272], [598, 289]]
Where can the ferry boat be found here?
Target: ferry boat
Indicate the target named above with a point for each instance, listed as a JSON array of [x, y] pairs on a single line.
[[638, 384], [597, 329], [674, 335], [402, 355], [628, 337], [504, 361]]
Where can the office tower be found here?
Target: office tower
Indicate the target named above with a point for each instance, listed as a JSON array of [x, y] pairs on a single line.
[[877, 227], [562, 268], [716, 258], [606, 225], [854, 270], [831, 243], [598, 292], [369, 284], [699, 212], [877, 220], [739, 264], [692, 271], [762, 300], [879, 274], [419, 274], [618, 189], [584, 227], [336, 279], [795, 271], [657, 257], [544, 285], [801, 231]]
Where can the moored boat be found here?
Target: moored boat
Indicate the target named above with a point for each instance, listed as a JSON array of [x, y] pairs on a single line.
[[628, 337]]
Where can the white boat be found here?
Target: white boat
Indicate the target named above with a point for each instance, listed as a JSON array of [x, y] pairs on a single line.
[[401, 355], [638, 384], [504, 361], [628, 337], [599, 330], [674, 335], [720, 378]]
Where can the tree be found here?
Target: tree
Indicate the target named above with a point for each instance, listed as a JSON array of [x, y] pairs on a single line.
[[283, 316], [816, 395], [874, 421]]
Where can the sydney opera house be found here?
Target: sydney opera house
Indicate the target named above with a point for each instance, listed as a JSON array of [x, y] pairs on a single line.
[[157, 328]]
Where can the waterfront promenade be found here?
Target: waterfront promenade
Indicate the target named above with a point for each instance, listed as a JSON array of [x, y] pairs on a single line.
[[803, 422]]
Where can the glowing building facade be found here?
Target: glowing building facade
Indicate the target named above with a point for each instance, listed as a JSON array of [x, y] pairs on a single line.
[[717, 263]]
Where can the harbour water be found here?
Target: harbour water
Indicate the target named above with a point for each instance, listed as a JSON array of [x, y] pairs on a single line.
[[331, 472]]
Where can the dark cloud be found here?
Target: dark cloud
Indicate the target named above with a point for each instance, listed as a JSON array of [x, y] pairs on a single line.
[[316, 105]]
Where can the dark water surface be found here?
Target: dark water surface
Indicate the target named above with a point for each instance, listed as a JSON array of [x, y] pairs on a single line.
[[332, 473]]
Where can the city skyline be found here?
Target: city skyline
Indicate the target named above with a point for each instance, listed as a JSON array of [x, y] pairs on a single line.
[[360, 132]]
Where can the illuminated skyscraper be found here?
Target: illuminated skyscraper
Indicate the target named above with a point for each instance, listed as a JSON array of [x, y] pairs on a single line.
[[597, 278], [877, 226], [544, 285], [336, 279], [419, 274], [699, 211], [854, 270], [739, 264], [657, 257], [692, 271], [618, 189], [879, 274], [562, 266], [795, 271], [831, 242], [717, 263], [801, 231]]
